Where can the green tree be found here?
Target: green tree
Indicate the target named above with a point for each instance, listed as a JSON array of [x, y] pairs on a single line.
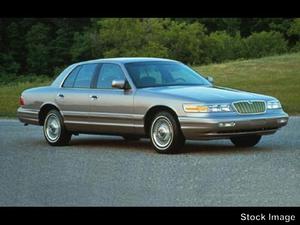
[[230, 25], [37, 42], [294, 35], [131, 37], [86, 45], [8, 65], [61, 44], [295, 28], [15, 46], [152, 37], [186, 42], [46, 45]]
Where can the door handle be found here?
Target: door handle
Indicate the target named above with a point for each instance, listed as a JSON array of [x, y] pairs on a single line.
[[60, 95], [93, 97]]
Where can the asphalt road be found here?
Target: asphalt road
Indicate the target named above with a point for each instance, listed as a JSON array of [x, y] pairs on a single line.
[[108, 171]]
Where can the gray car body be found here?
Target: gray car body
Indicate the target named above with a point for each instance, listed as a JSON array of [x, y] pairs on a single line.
[[118, 111]]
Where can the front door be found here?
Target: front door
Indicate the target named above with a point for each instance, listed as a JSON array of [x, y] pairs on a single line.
[[111, 108]]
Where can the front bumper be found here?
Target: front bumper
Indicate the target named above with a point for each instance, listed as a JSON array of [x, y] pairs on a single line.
[[211, 126]]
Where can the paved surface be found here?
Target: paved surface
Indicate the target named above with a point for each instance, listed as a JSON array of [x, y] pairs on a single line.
[[106, 171]]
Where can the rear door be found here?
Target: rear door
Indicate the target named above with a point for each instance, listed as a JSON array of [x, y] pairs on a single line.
[[74, 97]]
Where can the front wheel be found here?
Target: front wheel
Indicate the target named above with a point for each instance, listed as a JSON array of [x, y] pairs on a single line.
[[165, 133], [245, 141], [54, 130]]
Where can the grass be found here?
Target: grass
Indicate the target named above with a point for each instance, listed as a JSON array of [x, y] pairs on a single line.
[[278, 76]]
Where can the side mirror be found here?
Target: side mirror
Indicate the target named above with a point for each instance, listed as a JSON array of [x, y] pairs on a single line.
[[210, 79], [120, 84]]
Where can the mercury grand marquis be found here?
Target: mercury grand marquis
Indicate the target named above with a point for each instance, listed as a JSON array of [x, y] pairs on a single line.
[[160, 99]]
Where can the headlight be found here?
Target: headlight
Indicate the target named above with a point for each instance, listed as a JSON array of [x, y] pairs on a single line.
[[274, 104], [196, 108]]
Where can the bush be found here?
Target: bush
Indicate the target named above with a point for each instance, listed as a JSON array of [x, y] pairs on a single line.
[[264, 44], [222, 46], [296, 47]]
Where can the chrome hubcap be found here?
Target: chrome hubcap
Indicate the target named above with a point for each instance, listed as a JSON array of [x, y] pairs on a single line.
[[53, 128], [162, 132]]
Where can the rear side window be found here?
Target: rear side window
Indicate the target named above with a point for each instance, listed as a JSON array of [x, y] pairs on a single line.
[[69, 82], [85, 75]]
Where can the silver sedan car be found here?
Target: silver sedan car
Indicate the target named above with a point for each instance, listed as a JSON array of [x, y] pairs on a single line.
[[160, 99]]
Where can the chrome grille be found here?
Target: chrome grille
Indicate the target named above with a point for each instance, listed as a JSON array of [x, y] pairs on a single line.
[[248, 107]]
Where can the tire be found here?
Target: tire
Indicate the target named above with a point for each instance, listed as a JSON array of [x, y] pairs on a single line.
[[245, 141], [165, 133], [131, 137], [54, 130]]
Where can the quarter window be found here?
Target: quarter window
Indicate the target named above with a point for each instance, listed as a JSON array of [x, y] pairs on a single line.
[[69, 82], [108, 73], [85, 75]]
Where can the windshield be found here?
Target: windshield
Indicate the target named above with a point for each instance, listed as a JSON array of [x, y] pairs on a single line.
[[157, 74]]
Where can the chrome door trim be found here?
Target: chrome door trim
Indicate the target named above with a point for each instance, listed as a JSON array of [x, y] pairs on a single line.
[[103, 115], [102, 124], [116, 115]]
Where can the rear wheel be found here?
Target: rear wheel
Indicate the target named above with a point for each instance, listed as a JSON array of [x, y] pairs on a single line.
[[54, 130], [245, 141], [165, 133]]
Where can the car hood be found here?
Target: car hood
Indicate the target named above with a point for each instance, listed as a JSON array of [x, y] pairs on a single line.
[[206, 93]]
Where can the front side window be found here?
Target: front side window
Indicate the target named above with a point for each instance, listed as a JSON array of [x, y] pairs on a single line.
[[107, 74], [156, 74], [85, 75]]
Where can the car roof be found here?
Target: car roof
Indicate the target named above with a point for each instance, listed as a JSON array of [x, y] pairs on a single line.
[[120, 60], [127, 60]]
